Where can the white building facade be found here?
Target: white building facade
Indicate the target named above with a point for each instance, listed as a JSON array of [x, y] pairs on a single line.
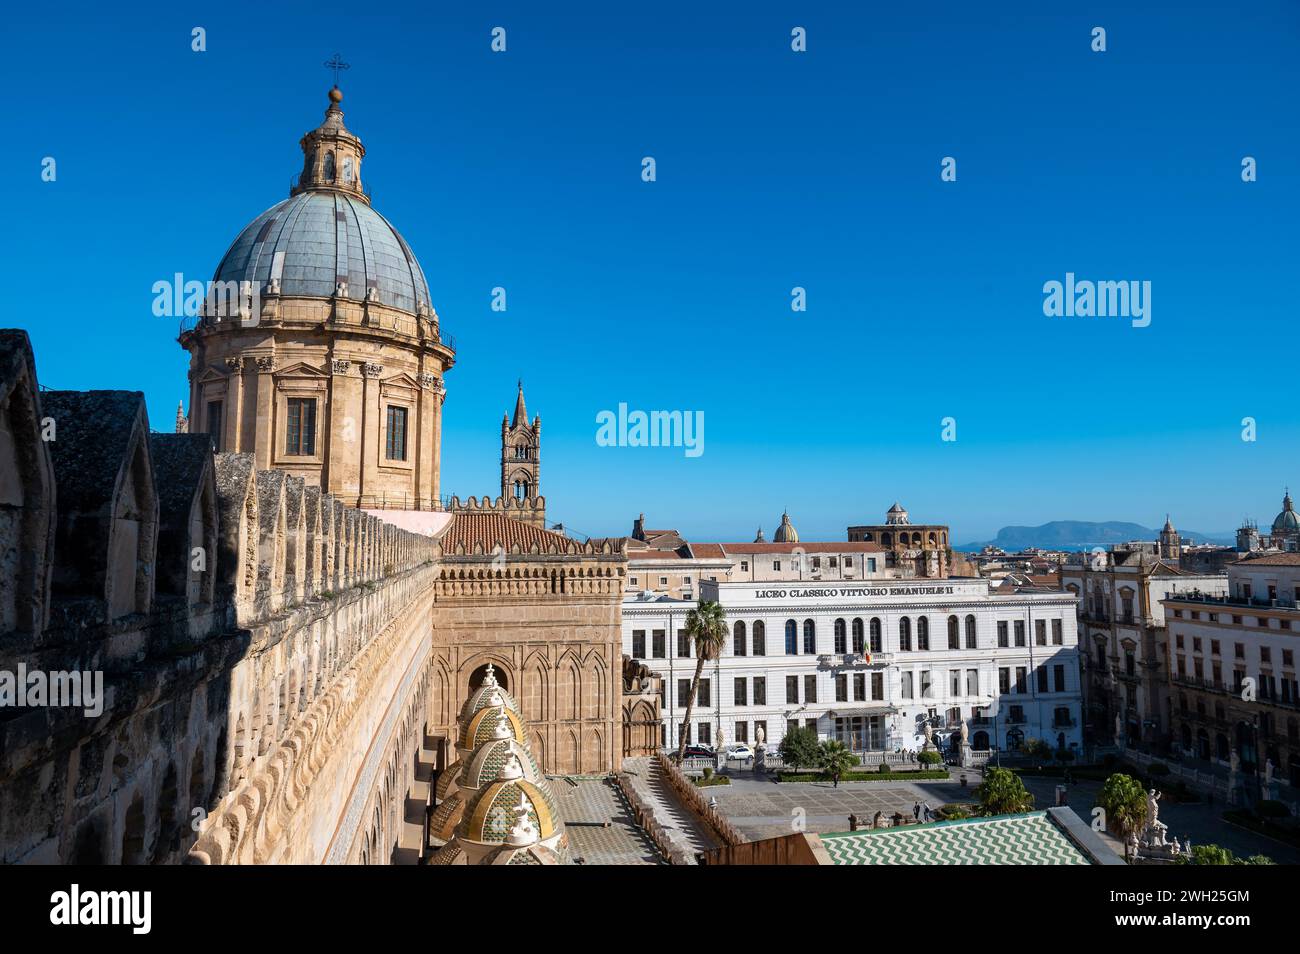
[[869, 663]]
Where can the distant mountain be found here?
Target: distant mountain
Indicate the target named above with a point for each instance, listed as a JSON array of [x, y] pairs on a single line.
[[1082, 535]]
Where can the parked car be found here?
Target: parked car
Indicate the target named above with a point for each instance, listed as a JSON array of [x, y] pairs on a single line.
[[698, 752], [741, 752]]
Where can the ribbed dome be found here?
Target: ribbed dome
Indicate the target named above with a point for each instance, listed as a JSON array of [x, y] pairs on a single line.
[[786, 533], [1287, 519], [327, 237]]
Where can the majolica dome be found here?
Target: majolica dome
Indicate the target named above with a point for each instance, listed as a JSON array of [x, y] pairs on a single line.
[[325, 241], [493, 811], [491, 723], [481, 698], [1286, 521], [487, 762]]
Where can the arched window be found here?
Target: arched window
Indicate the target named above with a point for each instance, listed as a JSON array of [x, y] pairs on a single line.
[[329, 167], [809, 637], [970, 632], [857, 636], [886, 539], [875, 634], [760, 638], [347, 170], [954, 633], [738, 638], [791, 637], [841, 637], [922, 633], [905, 635]]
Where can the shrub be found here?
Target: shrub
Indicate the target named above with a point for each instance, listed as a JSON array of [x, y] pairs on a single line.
[[800, 747], [1037, 749], [883, 768], [1124, 802], [1002, 793], [928, 757], [708, 771]]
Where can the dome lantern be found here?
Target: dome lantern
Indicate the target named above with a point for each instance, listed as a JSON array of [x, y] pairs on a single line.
[[331, 155]]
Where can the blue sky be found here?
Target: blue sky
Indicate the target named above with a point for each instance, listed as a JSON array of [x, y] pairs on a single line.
[[774, 169]]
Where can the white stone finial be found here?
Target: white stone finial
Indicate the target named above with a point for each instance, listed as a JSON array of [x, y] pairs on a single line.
[[490, 677], [511, 770], [504, 729], [523, 832]]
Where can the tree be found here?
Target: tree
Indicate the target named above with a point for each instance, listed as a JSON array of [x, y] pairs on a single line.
[[1125, 805], [836, 759], [800, 747], [1002, 793], [1037, 749], [706, 627]]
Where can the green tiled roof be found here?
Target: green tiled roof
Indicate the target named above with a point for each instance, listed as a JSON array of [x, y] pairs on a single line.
[[1030, 839]]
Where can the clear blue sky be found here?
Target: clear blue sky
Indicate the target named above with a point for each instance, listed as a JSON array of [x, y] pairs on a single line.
[[775, 169]]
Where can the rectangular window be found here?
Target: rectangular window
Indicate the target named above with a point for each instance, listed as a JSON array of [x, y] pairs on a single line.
[[972, 682], [1058, 678], [657, 648], [859, 686], [1042, 678], [395, 443], [744, 566], [906, 687], [742, 731], [300, 432], [1058, 634], [684, 730], [842, 688], [760, 690], [809, 688], [1040, 632], [638, 644], [871, 564], [791, 689], [878, 686], [954, 681], [741, 691], [1020, 678], [214, 424], [703, 694], [925, 684], [1020, 632], [683, 644], [706, 733], [1004, 680], [1002, 634], [683, 692]]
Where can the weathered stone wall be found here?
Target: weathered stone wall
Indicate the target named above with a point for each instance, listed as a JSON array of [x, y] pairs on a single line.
[[264, 650]]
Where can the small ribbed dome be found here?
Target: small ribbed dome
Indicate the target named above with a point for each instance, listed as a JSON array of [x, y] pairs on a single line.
[[483, 725], [786, 533], [482, 697], [492, 811], [322, 238], [487, 762], [1287, 521]]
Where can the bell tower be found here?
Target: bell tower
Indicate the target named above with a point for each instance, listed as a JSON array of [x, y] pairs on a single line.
[[521, 447]]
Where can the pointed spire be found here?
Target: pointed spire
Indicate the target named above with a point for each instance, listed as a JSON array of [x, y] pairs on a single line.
[[182, 422], [521, 412]]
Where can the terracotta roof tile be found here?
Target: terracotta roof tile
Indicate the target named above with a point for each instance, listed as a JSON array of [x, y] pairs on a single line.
[[483, 532]]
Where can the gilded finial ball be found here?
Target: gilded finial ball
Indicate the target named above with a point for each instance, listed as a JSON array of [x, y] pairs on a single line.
[[336, 96]]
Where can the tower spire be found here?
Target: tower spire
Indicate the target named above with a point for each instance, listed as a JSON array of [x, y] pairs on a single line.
[[521, 412]]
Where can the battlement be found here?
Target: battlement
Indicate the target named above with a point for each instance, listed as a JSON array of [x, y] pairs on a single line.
[[530, 510]]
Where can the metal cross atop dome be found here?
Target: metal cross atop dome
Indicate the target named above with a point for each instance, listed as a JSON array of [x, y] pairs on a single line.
[[336, 64]]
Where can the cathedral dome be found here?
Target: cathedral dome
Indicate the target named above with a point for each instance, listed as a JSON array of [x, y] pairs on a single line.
[[314, 241], [490, 723], [493, 810], [1286, 521], [786, 533], [488, 694]]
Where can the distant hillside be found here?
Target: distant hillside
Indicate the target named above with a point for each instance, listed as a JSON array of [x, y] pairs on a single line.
[[1082, 535]]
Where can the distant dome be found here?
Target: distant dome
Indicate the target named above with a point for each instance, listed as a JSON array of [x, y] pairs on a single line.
[[1286, 521], [323, 238], [482, 697], [786, 533], [896, 515]]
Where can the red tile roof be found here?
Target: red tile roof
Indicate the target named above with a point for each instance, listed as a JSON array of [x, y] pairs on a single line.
[[1270, 559], [483, 532]]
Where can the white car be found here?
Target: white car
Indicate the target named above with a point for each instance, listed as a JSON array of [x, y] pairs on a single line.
[[740, 751]]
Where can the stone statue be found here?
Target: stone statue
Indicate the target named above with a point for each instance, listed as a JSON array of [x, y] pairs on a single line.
[[929, 735], [759, 735], [1268, 772], [1155, 832], [1234, 762], [1119, 731], [965, 733]]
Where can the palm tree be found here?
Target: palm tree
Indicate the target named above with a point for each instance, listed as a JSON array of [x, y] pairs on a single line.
[[706, 626], [836, 759]]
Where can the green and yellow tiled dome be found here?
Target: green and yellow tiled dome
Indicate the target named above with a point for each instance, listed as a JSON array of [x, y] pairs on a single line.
[[491, 756], [492, 812], [482, 727], [483, 697]]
